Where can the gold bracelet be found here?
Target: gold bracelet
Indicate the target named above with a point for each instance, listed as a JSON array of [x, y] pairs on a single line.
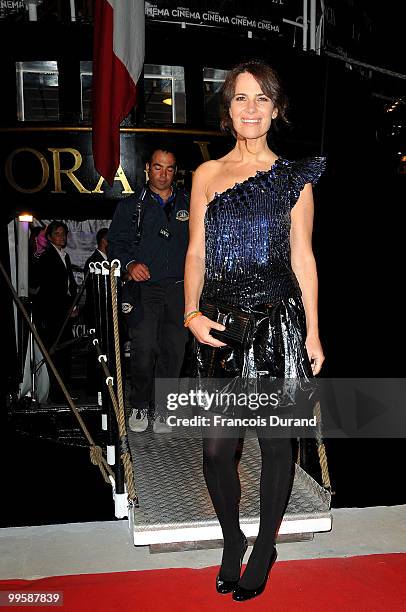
[[187, 315], [190, 317]]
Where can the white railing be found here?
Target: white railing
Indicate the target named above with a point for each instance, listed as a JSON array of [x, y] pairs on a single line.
[[76, 7], [311, 31]]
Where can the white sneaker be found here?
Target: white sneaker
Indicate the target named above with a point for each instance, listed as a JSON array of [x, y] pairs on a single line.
[[160, 425], [138, 420]]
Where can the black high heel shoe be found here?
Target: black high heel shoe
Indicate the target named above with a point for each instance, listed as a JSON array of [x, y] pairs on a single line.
[[241, 594], [226, 586]]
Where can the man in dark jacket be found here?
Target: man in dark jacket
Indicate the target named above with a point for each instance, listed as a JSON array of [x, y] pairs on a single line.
[[156, 263], [56, 292]]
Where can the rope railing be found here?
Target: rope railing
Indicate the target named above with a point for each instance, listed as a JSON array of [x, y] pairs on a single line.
[[106, 341], [321, 450], [120, 416], [96, 453]]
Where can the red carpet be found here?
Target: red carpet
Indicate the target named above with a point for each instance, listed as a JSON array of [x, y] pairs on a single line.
[[373, 583]]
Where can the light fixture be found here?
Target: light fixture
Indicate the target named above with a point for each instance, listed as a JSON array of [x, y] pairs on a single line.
[[25, 217], [167, 101]]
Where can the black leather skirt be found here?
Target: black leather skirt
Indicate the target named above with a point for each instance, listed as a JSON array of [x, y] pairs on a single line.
[[277, 353]]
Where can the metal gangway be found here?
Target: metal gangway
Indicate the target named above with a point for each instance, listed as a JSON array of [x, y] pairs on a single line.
[[175, 510]]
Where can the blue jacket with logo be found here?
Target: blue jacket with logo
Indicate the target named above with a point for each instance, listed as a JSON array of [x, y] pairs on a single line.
[[163, 241]]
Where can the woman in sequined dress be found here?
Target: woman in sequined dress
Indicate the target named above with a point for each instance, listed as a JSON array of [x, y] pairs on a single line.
[[251, 220]]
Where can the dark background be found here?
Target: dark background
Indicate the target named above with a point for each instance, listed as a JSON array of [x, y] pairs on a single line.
[[358, 238]]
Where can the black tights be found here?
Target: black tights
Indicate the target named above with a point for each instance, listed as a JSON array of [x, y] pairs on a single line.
[[223, 483]]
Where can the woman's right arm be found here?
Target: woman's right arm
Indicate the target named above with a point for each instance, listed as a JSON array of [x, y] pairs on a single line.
[[195, 260], [195, 256]]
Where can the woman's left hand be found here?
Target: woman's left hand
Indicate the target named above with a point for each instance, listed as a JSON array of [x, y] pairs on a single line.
[[315, 353]]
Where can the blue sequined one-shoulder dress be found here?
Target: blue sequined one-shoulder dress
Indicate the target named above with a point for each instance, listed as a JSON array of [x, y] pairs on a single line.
[[247, 236]]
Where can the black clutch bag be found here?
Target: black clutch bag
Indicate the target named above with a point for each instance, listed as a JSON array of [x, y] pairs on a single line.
[[239, 323]]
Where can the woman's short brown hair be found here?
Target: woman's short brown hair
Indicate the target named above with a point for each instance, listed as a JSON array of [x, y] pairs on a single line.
[[270, 85]]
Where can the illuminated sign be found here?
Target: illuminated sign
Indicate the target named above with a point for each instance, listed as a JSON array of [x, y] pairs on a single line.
[[35, 165]]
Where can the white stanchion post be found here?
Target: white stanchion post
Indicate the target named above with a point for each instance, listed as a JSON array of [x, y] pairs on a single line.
[[32, 10], [72, 10], [117, 271], [312, 25], [26, 350], [111, 454], [121, 504], [305, 26], [23, 230]]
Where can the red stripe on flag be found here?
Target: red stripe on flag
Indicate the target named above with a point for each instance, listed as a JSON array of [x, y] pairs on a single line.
[[114, 94]]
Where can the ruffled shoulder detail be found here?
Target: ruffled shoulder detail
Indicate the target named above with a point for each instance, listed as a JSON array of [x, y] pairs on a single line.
[[306, 170]]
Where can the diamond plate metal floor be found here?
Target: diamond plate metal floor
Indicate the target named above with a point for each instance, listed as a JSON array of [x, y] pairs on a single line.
[[174, 504]]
